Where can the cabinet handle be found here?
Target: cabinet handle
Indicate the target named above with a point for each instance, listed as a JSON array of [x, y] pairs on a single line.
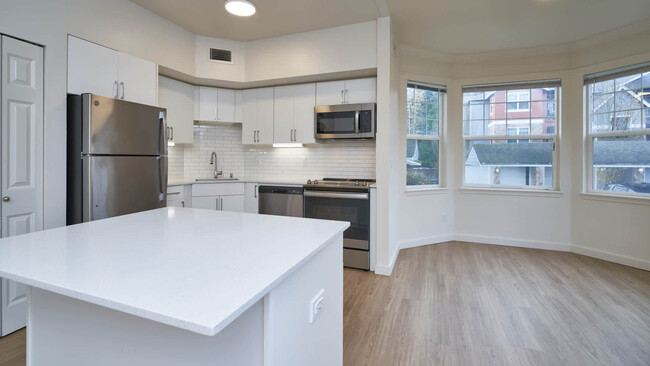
[[256, 191], [6, 199], [116, 88], [221, 204], [215, 113], [347, 96], [172, 132], [182, 203], [291, 135], [342, 98], [122, 85], [295, 139]]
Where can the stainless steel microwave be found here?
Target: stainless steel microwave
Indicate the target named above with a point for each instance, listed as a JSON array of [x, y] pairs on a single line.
[[345, 121]]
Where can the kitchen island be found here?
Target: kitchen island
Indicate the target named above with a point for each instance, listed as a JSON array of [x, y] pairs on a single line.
[[178, 286]]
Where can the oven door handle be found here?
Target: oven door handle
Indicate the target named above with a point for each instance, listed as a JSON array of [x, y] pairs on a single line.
[[342, 195]]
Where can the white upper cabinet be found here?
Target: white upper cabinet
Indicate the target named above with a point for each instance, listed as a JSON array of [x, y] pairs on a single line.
[[265, 116], [257, 116], [92, 68], [99, 70], [178, 98], [216, 104], [239, 105], [138, 80], [293, 113], [330, 92], [283, 114], [226, 105], [347, 91], [361, 91]]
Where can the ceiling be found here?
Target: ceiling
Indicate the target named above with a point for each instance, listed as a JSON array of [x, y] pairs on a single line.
[[447, 26], [273, 17]]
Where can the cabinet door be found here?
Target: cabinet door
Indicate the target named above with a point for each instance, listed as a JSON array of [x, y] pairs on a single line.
[[208, 103], [21, 96], [265, 116], [138, 80], [208, 203], [304, 102], [361, 90], [251, 199], [92, 68], [178, 98], [249, 116], [330, 92], [239, 105], [283, 114], [176, 203], [226, 106], [232, 203]]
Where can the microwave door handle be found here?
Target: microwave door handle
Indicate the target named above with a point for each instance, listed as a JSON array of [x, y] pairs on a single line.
[[356, 121]]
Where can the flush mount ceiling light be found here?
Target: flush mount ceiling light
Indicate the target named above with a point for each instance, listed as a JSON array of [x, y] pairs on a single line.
[[241, 8]]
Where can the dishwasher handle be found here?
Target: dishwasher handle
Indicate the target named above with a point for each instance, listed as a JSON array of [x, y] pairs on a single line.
[[280, 190]]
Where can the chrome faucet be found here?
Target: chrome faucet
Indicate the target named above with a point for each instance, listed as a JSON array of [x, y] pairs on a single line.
[[213, 161]]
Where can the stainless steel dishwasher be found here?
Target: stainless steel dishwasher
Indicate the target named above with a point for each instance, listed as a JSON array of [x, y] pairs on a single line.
[[282, 201]]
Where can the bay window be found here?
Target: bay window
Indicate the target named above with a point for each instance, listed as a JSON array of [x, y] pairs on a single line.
[[424, 104], [510, 135], [617, 105]]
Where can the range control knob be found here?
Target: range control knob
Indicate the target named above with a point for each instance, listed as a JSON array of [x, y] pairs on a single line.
[[308, 181], [315, 181], [356, 183]]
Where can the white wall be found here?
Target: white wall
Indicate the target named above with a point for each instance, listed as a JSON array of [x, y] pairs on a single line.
[[614, 230], [117, 24], [388, 142]]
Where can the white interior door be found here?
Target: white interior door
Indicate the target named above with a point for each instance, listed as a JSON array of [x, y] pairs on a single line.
[[22, 159]]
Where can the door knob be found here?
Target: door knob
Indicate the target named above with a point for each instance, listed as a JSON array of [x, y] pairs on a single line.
[[6, 199]]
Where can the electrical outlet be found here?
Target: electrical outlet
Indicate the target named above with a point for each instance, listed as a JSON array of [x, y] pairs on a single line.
[[444, 217], [317, 305]]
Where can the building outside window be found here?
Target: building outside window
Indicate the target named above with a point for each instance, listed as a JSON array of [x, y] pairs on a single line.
[[618, 130], [510, 135], [424, 104]]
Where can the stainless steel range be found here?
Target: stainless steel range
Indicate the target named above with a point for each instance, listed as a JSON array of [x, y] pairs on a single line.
[[344, 200]]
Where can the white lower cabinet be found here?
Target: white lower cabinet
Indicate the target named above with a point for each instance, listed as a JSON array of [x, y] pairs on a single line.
[[177, 196], [252, 198], [219, 196]]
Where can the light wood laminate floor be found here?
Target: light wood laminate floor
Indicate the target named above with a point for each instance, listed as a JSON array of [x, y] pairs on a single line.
[[472, 304]]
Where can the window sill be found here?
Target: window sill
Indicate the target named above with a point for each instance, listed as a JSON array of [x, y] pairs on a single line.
[[635, 200], [425, 190], [511, 192]]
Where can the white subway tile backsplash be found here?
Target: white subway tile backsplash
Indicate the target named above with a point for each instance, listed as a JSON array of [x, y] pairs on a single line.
[[342, 159]]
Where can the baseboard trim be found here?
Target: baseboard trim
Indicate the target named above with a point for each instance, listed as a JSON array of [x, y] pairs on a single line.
[[436, 239], [611, 257], [387, 270], [532, 244], [522, 243]]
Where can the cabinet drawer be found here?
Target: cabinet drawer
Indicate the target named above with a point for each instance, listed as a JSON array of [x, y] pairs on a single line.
[[175, 193], [217, 189]]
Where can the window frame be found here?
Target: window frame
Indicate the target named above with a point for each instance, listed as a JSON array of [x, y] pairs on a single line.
[[442, 118], [555, 138], [590, 136]]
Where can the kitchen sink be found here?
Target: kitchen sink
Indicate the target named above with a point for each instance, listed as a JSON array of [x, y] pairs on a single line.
[[216, 179]]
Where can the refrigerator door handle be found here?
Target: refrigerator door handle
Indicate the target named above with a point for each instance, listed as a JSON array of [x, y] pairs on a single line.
[[162, 134], [162, 173]]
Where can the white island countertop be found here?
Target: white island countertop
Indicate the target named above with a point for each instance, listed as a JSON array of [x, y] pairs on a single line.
[[193, 269]]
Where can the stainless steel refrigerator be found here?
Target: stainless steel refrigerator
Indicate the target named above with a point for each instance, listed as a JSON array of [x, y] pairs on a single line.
[[117, 158]]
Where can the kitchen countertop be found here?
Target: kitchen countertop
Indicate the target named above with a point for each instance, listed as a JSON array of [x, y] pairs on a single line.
[[241, 180], [189, 268]]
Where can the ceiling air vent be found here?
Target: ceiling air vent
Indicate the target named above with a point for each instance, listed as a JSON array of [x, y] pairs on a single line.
[[220, 55]]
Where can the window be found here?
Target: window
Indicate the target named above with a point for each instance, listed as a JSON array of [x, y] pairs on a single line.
[[495, 118], [424, 103], [618, 130]]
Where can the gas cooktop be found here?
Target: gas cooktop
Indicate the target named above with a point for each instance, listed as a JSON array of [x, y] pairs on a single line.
[[342, 183]]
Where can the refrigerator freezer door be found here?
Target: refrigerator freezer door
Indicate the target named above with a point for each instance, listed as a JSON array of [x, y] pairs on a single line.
[[117, 127], [120, 185]]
